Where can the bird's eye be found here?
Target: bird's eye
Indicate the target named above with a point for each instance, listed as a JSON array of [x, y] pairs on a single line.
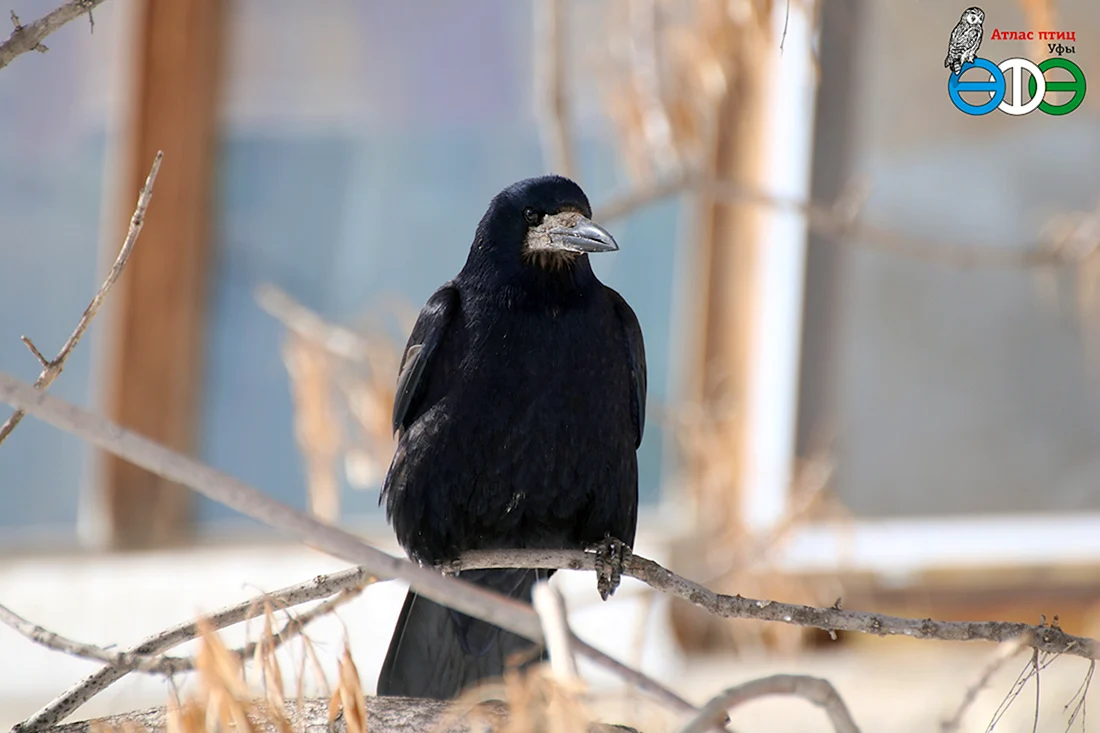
[[531, 216]]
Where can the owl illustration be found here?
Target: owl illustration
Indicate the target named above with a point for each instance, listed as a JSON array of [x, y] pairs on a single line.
[[965, 39]]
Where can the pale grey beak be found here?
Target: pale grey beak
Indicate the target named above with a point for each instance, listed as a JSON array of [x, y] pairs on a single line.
[[584, 236]]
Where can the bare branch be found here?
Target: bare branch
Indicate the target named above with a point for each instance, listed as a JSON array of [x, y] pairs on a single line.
[[840, 222], [818, 691], [1045, 638], [320, 587], [384, 715], [550, 81], [164, 665], [624, 204], [52, 369], [29, 37]]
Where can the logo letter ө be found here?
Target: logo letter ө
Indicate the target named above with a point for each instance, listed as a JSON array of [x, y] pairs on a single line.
[[995, 86]]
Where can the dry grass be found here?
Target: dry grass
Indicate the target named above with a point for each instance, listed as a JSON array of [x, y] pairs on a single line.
[[255, 694], [349, 696], [669, 66], [317, 424], [368, 391], [342, 384]]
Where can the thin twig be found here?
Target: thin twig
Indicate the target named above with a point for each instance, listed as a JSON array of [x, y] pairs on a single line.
[[1005, 652], [34, 350], [292, 629], [57, 642], [818, 691], [1079, 699], [29, 37], [1038, 697], [551, 82], [52, 369], [154, 663], [323, 586], [1010, 697], [786, 25]]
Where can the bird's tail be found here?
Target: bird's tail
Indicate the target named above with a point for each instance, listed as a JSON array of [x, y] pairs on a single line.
[[438, 653]]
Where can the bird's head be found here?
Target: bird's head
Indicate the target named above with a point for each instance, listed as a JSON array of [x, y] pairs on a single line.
[[542, 223], [974, 16]]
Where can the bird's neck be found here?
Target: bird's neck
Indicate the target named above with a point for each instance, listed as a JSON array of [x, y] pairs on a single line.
[[531, 285], [562, 275]]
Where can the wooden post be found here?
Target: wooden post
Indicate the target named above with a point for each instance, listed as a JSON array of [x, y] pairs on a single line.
[[153, 365], [727, 241], [727, 238]]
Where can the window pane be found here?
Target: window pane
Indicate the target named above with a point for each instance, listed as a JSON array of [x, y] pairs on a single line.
[[965, 389]]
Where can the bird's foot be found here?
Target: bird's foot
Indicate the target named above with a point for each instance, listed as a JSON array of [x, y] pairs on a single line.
[[612, 555]]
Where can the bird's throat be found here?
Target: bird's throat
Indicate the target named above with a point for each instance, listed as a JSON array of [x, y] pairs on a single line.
[[550, 260]]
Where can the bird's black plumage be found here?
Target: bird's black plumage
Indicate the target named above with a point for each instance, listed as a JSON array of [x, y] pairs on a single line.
[[520, 406]]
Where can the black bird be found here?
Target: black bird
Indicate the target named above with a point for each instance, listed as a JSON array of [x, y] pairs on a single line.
[[520, 406]]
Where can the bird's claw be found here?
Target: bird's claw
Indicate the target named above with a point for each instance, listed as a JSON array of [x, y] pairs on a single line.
[[612, 555]]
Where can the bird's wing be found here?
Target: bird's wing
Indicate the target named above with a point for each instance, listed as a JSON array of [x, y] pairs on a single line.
[[636, 352], [964, 36], [435, 317]]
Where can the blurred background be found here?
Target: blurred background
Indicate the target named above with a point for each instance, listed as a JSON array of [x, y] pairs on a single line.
[[870, 319]]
